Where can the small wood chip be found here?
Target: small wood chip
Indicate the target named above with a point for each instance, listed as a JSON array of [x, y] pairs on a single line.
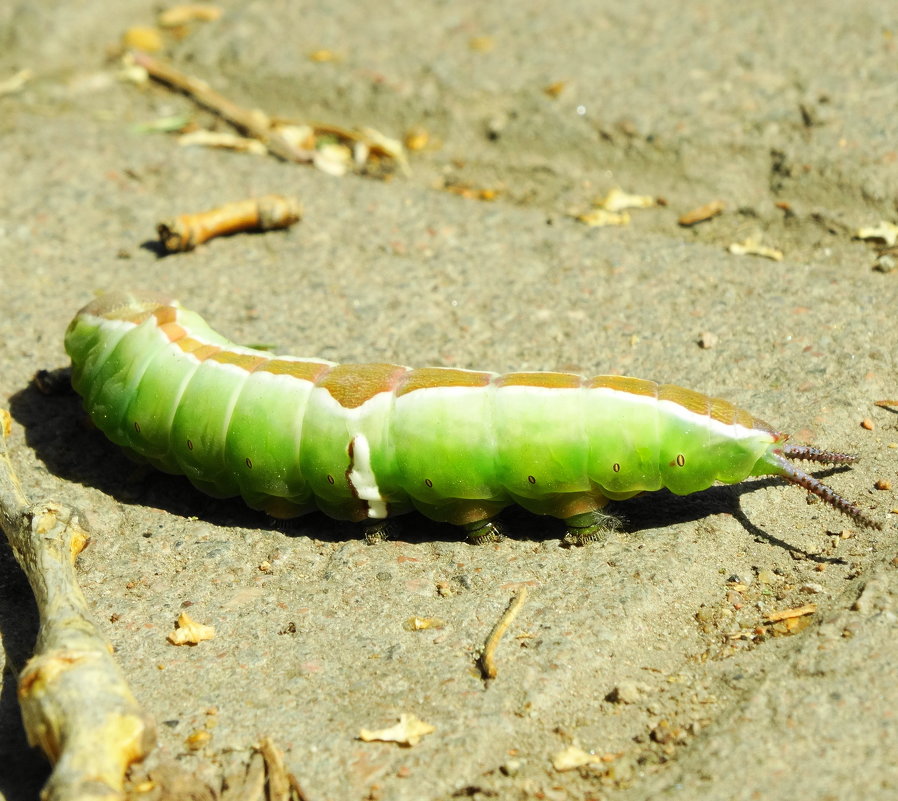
[[224, 141], [265, 213], [702, 213], [599, 218], [786, 614], [751, 247], [555, 88], [176, 16]]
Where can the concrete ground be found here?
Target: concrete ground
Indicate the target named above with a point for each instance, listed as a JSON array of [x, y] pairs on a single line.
[[651, 650]]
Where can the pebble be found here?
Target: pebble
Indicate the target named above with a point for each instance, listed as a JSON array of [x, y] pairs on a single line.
[[627, 692]]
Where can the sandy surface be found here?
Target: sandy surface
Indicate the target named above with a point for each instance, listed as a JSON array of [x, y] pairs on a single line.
[[785, 114]]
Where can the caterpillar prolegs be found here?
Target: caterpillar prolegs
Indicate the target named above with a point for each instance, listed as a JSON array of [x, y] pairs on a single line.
[[363, 442]]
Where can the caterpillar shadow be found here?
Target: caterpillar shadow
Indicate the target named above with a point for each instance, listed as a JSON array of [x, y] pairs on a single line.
[[62, 437]]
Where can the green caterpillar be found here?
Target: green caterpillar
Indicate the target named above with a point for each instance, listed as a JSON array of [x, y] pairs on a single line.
[[365, 441]]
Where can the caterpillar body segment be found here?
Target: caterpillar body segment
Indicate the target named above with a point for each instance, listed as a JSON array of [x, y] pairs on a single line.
[[367, 441]]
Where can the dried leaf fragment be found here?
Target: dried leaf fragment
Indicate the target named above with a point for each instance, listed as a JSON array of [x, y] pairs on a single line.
[[198, 739], [618, 200], [167, 124], [416, 138], [190, 632], [323, 55], [333, 158], [481, 44], [408, 731], [223, 140], [884, 231], [555, 88], [16, 82], [599, 218], [702, 213], [423, 623], [146, 39], [574, 757], [751, 247], [469, 191], [176, 16]]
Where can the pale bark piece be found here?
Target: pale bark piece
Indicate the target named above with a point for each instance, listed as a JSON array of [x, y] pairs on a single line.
[[76, 704], [266, 213]]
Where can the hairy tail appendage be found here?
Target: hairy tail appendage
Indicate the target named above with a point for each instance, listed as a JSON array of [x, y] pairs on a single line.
[[816, 487]]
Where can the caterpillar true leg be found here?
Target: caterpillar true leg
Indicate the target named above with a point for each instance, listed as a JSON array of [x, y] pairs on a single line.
[[380, 531], [483, 532], [590, 527]]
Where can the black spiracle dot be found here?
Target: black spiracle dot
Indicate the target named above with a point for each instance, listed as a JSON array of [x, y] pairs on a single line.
[[249, 463], [189, 445], [428, 482], [137, 426], [616, 467], [330, 479], [681, 460], [531, 479]]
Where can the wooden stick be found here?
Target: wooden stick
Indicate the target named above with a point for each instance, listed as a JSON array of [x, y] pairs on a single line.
[[76, 704], [265, 213], [254, 122], [488, 657]]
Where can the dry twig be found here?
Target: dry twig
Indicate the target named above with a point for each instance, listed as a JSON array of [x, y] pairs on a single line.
[[331, 148], [253, 122], [76, 704], [267, 213], [488, 657]]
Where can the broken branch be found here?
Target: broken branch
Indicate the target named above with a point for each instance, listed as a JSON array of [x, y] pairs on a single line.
[[254, 122], [76, 704]]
